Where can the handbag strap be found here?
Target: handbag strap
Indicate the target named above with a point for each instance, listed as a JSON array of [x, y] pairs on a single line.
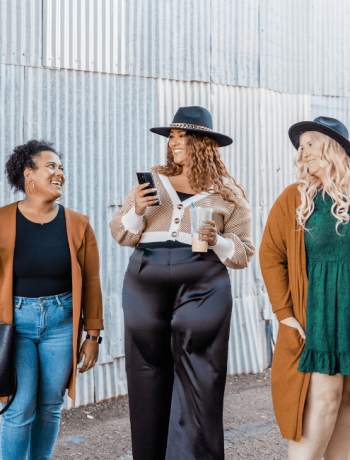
[[12, 397]]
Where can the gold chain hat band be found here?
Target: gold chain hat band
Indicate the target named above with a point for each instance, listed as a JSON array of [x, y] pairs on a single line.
[[186, 126]]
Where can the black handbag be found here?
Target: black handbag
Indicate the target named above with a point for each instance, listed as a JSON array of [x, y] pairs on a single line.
[[8, 377]]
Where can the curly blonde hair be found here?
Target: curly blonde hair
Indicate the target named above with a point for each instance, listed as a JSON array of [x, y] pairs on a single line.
[[336, 163], [207, 169]]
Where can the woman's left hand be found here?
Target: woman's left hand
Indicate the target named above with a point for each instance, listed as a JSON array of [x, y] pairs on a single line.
[[90, 350], [208, 233]]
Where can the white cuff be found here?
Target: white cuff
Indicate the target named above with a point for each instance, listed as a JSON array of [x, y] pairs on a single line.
[[132, 222], [224, 248]]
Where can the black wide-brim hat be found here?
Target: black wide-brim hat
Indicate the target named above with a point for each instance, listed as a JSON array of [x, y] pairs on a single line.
[[333, 128], [194, 119]]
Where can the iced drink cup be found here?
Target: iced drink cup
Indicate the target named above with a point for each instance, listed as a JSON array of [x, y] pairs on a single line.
[[198, 218]]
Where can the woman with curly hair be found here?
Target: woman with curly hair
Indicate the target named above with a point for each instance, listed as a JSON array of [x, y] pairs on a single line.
[[177, 303], [305, 261], [50, 288]]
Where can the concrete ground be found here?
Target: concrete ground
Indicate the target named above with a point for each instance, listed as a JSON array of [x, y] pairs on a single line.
[[102, 431]]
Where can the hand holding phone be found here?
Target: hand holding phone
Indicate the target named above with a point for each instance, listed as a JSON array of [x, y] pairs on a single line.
[[146, 194]]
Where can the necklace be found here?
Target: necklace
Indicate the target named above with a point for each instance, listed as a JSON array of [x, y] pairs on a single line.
[[36, 216]]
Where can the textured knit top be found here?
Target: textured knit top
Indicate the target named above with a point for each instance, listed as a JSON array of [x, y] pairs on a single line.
[[327, 345], [171, 221], [42, 260]]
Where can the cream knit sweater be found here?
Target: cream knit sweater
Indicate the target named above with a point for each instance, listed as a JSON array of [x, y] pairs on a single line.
[[171, 221]]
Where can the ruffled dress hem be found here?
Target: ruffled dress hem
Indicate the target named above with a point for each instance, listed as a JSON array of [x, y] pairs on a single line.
[[325, 362]]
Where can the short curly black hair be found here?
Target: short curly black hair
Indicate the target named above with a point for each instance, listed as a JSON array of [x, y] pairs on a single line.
[[22, 158]]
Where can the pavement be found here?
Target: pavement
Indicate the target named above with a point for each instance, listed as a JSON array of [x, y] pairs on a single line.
[[102, 430]]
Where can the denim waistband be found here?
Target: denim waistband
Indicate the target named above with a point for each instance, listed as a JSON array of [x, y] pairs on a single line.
[[63, 296]]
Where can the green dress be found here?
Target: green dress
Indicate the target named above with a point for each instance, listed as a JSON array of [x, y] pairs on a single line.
[[327, 345]]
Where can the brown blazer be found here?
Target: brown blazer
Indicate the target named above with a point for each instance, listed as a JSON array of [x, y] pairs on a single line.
[[283, 265], [87, 296]]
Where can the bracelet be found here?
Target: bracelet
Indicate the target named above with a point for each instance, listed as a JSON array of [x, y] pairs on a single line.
[[94, 338]]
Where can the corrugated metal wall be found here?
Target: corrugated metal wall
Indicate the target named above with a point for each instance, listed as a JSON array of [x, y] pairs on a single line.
[[94, 75]]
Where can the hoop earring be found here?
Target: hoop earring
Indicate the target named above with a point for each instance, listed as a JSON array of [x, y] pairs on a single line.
[[33, 187], [61, 197]]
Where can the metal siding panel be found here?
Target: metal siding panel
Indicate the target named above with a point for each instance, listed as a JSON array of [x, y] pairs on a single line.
[[11, 122], [334, 107], [261, 159], [235, 42], [285, 48], [279, 111], [21, 32], [330, 56], [129, 37], [236, 112], [110, 380]]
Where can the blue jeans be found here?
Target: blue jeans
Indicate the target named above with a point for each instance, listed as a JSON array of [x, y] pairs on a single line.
[[43, 361]]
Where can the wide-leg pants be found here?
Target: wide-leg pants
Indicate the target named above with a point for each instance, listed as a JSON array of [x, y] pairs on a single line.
[[177, 308]]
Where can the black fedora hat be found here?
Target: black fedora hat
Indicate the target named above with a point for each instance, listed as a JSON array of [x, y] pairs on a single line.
[[325, 125], [196, 120]]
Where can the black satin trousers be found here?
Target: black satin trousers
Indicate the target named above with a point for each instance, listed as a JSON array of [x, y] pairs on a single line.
[[177, 308]]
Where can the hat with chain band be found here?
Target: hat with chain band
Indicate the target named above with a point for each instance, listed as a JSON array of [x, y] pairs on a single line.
[[194, 119]]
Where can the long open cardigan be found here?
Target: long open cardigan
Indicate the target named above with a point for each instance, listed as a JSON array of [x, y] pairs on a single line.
[[87, 296], [283, 265]]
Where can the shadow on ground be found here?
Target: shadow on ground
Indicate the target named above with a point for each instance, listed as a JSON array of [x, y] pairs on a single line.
[[102, 431]]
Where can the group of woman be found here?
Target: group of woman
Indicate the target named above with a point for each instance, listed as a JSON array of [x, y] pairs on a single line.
[[177, 303]]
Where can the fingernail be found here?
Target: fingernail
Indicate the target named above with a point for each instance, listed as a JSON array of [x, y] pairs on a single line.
[[154, 189]]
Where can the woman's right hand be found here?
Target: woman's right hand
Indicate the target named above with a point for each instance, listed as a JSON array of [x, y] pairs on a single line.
[[293, 322], [142, 201]]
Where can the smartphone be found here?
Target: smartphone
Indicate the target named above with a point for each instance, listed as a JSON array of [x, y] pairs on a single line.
[[143, 178]]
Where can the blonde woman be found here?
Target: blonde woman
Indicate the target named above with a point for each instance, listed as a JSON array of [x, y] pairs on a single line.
[[177, 303], [305, 261]]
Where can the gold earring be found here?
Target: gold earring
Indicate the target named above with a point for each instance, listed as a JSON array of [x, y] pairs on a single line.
[[33, 186]]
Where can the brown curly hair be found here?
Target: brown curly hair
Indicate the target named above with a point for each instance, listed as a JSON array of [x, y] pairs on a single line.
[[207, 168]]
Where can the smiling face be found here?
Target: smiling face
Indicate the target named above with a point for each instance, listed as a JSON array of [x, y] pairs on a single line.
[[310, 156], [48, 176], [178, 145]]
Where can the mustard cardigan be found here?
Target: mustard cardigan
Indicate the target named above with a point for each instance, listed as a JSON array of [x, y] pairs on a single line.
[[86, 288], [283, 265]]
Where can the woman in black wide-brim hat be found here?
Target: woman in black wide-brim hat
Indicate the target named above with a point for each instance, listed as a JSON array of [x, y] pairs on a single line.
[[305, 261], [177, 303]]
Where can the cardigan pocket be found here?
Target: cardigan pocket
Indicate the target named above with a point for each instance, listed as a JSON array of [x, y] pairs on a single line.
[[290, 338]]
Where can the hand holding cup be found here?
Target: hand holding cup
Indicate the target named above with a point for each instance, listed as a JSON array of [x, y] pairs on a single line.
[[208, 232], [142, 200]]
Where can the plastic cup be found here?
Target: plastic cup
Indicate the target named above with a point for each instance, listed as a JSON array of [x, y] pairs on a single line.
[[198, 218]]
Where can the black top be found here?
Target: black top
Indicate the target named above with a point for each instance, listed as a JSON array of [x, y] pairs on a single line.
[[42, 261], [168, 244]]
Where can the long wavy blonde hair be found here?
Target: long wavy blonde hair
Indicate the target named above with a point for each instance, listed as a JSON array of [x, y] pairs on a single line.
[[336, 163], [207, 169]]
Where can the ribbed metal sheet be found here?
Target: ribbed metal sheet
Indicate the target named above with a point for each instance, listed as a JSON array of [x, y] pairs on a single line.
[[330, 54], [11, 121], [260, 158], [235, 42], [334, 107], [150, 38], [21, 32], [285, 45], [105, 382], [278, 112]]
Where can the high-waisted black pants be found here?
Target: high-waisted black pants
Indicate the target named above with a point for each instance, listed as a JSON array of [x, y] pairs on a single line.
[[177, 307]]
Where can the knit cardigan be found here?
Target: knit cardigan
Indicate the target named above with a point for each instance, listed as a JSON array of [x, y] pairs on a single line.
[[283, 265], [171, 221]]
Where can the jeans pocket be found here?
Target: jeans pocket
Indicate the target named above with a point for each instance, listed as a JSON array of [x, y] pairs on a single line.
[[17, 302], [66, 304]]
